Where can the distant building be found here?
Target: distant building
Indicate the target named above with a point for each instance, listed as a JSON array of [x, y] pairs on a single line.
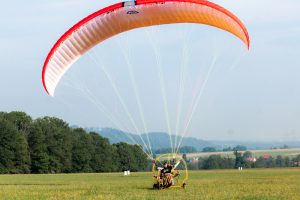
[[251, 159], [297, 164], [266, 156], [194, 160]]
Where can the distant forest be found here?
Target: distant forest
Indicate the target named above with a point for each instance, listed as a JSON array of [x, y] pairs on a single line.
[[50, 145], [244, 160]]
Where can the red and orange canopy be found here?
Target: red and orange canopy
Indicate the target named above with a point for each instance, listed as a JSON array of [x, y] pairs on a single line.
[[126, 16]]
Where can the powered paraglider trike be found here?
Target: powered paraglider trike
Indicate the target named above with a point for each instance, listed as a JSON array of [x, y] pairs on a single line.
[[169, 171]]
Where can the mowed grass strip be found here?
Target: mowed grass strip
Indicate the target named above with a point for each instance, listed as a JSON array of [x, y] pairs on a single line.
[[218, 184]]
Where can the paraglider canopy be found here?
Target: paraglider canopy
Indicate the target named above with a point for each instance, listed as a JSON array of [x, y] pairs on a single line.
[[126, 16]]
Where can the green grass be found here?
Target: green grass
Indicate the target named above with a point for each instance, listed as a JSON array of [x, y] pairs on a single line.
[[227, 184]]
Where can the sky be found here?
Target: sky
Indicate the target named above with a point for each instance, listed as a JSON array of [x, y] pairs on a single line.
[[245, 95]]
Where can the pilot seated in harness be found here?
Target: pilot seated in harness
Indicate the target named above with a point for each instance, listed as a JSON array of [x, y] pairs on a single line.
[[167, 175]]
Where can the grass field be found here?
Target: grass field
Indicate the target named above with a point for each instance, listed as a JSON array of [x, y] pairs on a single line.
[[227, 184], [256, 153]]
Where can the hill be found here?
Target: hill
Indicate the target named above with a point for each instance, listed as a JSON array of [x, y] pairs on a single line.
[[158, 140]]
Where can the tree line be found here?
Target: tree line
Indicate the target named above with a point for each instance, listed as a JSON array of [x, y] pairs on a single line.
[[214, 149], [245, 160], [50, 145]]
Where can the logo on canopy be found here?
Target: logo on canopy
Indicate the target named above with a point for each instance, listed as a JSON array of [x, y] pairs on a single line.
[[132, 12]]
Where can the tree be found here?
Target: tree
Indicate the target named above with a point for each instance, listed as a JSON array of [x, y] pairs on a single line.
[[280, 161], [240, 148], [103, 157], [14, 155], [49, 145], [287, 161], [296, 161], [239, 160], [140, 158], [125, 157], [82, 151], [260, 162], [38, 150], [247, 154], [270, 162], [209, 149], [20, 120], [265, 162], [217, 162], [227, 149], [187, 149], [58, 139], [184, 157], [213, 162], [131, 157]]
